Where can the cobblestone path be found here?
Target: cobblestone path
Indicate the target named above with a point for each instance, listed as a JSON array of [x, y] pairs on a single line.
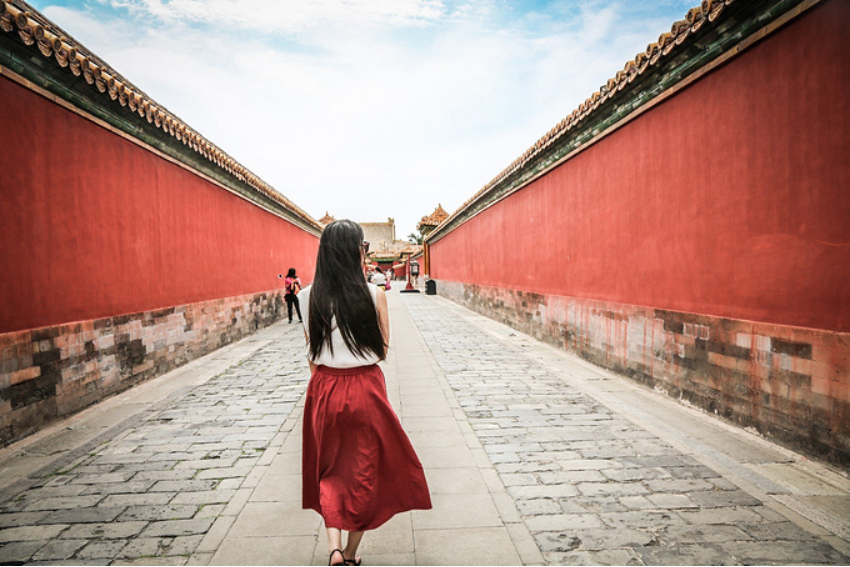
[[591, 486], [151, 493], [578, 466]]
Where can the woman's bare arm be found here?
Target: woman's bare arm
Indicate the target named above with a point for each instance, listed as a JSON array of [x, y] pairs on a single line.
[[310, 362], [384, 317]]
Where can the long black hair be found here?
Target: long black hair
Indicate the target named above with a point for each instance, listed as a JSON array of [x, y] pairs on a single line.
[[341, 297], [291, 273]]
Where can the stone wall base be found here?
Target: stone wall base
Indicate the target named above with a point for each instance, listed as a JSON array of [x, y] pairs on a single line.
[[49, 373], [792, 384]]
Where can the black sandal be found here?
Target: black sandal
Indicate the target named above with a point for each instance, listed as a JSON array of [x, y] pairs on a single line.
[[355, 561], [331, 558]]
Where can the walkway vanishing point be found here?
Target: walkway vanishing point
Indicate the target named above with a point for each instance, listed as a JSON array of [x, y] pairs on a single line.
[[533, 457]]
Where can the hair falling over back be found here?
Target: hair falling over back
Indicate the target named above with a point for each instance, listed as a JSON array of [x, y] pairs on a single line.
[[340, 295]]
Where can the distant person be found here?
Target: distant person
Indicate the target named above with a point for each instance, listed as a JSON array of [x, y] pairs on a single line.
[[379, 279], [358, 466], [293, 286]]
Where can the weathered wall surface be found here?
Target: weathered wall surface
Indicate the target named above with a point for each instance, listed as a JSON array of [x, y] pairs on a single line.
[[118, 263], [703, 247], [53, 371], [791, 383]]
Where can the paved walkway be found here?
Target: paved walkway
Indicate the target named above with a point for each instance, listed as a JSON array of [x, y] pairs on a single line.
[[532, 457]]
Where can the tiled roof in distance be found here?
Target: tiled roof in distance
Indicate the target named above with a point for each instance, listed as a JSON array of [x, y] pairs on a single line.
[[327, 219], [435, 218]]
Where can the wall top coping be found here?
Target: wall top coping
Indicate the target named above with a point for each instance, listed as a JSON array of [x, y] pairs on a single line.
[[709, 34], [108, 95]]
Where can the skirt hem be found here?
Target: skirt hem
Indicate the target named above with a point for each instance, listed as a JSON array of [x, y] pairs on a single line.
[[374, 524]]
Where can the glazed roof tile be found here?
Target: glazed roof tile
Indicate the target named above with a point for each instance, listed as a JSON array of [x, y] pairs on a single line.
[[435, 218]]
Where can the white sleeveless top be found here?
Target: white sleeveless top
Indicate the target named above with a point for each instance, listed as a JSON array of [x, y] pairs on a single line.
[[342, 357]]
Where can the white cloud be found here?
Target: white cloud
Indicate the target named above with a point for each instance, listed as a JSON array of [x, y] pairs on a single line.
[[288, 15], [378, 118]]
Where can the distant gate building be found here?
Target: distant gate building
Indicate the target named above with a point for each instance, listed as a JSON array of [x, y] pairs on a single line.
[[129, 243], [696, 215]]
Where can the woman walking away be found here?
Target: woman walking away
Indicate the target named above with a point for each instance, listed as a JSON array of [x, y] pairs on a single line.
[[293, 286], [358, 466]]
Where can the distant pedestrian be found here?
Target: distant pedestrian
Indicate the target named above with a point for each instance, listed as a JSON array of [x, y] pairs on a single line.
[[293, 287], [379, 279], [358, 466]]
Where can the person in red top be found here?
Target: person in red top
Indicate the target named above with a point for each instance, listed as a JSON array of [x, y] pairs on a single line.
[[293, 286], [358, 468]]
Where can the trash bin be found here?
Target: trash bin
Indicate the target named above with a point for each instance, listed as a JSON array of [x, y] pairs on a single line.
[[431, 287]]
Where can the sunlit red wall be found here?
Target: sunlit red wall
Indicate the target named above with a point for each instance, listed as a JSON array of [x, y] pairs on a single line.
[[92, 225], [732, 198]]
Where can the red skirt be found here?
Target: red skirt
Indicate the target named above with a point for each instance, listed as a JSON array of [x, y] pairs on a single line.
[[358, 467]]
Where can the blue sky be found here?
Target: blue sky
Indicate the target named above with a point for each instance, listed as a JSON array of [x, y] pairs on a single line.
[[369, 109]]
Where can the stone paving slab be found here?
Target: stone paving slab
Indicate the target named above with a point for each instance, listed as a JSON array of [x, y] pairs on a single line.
[[149, 493], [598, 478], [532, 457]]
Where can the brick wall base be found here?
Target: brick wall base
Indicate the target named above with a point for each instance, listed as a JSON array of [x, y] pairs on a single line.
[[52, 372], [792, 384]]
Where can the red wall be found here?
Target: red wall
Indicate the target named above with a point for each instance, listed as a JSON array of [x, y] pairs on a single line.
[[92, 225], [730, 199]]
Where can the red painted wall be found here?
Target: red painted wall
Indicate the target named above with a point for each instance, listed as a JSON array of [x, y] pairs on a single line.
[[731, 199], [92, 225]]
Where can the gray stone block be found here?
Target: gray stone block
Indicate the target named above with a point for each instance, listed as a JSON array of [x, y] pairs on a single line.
[[642, 520], [615, 538], [19, 551], [144, 499], [604, 557], [156, 513], [84, 515], [720, 498], [112, 530], [538, 507], [785, 552], [69, 503], [102, 549], [612, 488], [132, 487], [686, 555], [556, 541], [178, 527], [15, 519], [31, 533], [59, 549]]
